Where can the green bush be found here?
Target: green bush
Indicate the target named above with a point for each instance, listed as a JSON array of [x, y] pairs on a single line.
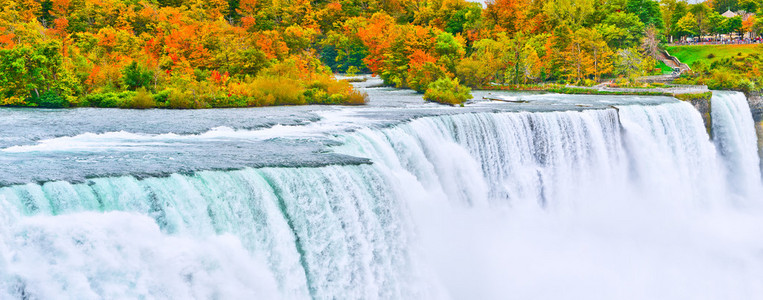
[[690, 97], [180, 100], [108, 100], [160, 98], [447, 91], [746, 85], [49, 99], [141, 100], [316, 96], [588, 82]]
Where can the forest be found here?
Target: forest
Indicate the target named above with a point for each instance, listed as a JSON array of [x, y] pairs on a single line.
[[239, 53]]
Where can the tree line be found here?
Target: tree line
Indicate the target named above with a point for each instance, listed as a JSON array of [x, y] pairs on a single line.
[[232, 53]]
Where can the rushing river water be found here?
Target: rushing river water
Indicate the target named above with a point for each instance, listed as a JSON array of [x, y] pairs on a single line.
[[561, 197]]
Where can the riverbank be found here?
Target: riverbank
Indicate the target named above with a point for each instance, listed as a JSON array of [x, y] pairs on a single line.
[[296, 81]]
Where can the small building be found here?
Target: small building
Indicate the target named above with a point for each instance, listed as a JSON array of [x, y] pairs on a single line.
[[729, 14]]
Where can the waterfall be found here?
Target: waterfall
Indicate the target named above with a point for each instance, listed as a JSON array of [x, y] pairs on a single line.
[[311, 231], [737, 141], [479, 205]]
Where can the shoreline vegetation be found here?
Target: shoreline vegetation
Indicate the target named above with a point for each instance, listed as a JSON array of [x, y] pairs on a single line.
[[241, 53], [683, 93]]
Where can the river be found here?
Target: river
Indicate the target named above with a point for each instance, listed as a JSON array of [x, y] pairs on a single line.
[[557, 197]]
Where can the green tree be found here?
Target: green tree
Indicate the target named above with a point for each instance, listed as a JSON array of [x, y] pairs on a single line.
[[570, 13], [464, 19], [36, 73], [648, 12], [447, 91], [622, 30], [134, 76], [672, 11], [722, 6], [449, 49], [749, 5], [702, 14], [733, 25], [630, 63], [716, 23], [686, 26]]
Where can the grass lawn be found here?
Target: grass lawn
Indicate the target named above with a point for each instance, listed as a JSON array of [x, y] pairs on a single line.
[[665, 69], [690, 54]]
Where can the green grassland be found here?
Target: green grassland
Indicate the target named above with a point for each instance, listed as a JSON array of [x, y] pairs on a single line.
[[664, 68], [711, 53]]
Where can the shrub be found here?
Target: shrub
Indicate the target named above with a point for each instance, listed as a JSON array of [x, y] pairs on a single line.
[[588, 82], [160, 98], [355, 97], [690, 97], [316, 96], [746, 85], [721, 81], [447, 91], [281, 90], [328, 90], [49, 99], [13, 101], [352, 70], [108, 100], [141, 100], [180, 100]]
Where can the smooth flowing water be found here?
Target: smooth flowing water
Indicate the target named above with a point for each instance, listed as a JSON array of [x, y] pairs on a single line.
[[562, 197]]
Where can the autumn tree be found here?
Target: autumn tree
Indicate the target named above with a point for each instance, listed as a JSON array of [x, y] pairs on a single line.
[[344, 48], [749, 25], [586, 56], [508, 15]]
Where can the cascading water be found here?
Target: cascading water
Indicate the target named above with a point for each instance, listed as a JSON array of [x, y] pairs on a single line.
[[737, 141], [633, 202]]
